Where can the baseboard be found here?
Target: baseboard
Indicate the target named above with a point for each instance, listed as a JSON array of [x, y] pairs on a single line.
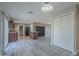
[[77, 53], [74, 53], [1, 52], [51, 44]]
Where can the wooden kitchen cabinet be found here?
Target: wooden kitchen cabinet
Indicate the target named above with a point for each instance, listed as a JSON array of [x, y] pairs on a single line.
[[12, 36]]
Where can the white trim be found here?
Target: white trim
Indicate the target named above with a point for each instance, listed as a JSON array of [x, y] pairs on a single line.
[[0, 53], [77, 52], [64, 14], [75, 31]]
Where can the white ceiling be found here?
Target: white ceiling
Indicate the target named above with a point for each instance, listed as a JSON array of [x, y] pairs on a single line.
[[19, 10]]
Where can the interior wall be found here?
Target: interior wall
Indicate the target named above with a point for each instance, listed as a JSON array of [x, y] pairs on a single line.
[[77, 30], [1, 33], [48, 30], [32, 27], [17, 29]]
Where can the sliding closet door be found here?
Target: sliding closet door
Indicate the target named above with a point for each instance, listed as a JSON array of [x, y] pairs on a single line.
[[68, 31], [64, 32]]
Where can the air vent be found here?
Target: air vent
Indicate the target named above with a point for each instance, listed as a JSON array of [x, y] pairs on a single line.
[[30, 12]]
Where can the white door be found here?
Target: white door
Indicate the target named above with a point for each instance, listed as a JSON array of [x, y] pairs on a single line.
[[68, 31], [64, 32]]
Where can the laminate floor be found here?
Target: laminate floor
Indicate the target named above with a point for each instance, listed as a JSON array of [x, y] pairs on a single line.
[[39, 47]]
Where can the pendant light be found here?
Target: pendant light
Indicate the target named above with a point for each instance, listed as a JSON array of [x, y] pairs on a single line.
[[47, 7]]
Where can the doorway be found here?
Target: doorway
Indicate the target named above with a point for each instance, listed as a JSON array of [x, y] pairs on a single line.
[[40, 30], [27, 31]]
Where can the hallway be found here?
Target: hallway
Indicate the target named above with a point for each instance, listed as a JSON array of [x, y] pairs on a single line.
[[39, 47]]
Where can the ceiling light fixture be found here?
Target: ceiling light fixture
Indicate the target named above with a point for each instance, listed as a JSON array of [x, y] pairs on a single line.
[[47, 7]]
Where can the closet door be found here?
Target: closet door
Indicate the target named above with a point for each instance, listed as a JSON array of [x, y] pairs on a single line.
[[67, 31], [64, 32]]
